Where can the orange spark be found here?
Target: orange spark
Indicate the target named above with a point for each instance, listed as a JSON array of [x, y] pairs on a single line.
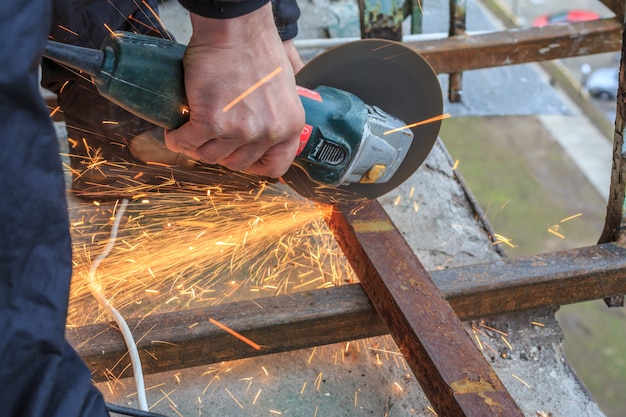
[[234, 398], [173, 407], [234, 333], [251, 89], [493, 329], [520, 380], [506, 342], [554, 231], [158, 18], [423, 122], [68, 30], [158, 164], [571, 217], [257, 396], [111, 31], [55, 110]]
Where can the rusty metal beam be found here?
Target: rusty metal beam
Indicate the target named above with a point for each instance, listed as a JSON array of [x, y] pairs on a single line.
[[617, 7], [345, 313], [615, 221], [518, 46], [446, 362], [615, 225]]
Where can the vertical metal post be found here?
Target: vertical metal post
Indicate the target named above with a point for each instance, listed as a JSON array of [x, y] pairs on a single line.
[[381, 19], [417, 15], [615, 223], [457, 28]]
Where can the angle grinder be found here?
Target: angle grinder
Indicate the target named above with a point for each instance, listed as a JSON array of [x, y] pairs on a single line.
[[348, 149]]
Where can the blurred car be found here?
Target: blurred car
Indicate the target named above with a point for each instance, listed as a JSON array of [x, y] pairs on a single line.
[[570, 16], [602, 83]]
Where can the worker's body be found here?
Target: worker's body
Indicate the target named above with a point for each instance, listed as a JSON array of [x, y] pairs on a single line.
[[40, 374]]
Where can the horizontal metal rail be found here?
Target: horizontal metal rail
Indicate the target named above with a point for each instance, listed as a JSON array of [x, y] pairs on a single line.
[[518, 46], [287, 322]]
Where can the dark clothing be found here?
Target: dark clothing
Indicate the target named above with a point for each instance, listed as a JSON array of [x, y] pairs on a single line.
[[40, 373], [222, 9]]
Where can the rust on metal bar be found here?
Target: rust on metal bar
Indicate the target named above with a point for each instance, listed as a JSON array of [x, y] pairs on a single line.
[[517, 46], [186, 338], [617, 7], [457, 28], [451, 370], [313, 318], [615, 221]]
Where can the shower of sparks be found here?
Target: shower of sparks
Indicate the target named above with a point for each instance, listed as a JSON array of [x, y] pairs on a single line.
[[234, 333], [197, 245], [423, 122], [252, 89]]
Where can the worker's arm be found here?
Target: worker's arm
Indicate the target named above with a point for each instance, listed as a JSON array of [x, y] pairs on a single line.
[[226, 57]]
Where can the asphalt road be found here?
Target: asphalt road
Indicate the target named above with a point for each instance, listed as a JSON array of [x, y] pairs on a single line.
[[527, 11]]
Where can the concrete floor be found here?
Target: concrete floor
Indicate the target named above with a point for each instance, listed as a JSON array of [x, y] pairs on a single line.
[[370, 377]]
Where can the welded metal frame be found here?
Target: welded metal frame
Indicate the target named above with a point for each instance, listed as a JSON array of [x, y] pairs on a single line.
[[394, 278]]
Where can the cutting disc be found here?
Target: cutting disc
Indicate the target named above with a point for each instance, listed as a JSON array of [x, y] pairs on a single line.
[[388, 75]]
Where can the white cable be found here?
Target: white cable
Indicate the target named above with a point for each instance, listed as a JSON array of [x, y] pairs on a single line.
[[126, 333]]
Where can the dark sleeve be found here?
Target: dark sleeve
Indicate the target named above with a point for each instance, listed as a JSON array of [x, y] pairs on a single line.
[[40, 373], [286, 12], [222, 9]]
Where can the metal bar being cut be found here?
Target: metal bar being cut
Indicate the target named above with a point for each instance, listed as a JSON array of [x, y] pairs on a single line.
[[313, 318], [446, 362]]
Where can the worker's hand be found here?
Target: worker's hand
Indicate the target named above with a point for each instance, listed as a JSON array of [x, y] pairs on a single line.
[[245, 113]]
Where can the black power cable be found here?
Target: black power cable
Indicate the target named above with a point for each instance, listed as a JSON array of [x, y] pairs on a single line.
[[127, 411]]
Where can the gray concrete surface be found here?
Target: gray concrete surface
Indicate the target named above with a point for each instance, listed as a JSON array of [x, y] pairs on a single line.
[[369, 377]]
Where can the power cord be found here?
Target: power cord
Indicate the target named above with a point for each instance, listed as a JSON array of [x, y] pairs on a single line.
[[106, 304]]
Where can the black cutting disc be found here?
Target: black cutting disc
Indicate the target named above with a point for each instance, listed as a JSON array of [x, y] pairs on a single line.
[[386, 74]]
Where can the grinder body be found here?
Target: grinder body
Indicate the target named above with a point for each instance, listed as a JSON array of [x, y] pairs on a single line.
[[344, 140]]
